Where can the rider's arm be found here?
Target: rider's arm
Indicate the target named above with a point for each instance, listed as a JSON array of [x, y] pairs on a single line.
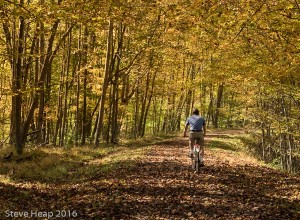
[[185, 130]]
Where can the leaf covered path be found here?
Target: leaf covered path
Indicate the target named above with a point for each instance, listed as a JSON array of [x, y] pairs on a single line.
[[161, 185]]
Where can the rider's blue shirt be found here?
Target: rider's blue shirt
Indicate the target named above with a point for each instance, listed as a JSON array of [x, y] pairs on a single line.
[[195, 122]]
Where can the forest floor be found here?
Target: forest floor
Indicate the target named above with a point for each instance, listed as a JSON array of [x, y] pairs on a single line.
[[161, 185]]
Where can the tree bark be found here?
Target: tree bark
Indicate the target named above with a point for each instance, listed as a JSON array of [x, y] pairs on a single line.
[[17, 97], [218, 105], [99, 123], [84, 104]]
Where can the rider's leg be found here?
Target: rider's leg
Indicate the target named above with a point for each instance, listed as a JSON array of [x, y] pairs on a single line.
[[201, 142], [192, 141], [191, 144]]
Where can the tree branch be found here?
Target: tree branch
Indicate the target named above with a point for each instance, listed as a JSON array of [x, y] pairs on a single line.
[[298, 6], [21, 6], [245, 23]]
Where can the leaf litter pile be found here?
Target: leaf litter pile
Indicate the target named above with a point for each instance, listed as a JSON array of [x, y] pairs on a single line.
[[161, 185]]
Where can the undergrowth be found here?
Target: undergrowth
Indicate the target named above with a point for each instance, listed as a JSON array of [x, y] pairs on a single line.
[[238, 144], [55, 164], [243, 145]]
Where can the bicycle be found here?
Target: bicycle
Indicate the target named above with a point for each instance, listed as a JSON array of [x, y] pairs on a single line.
[[196, 157]]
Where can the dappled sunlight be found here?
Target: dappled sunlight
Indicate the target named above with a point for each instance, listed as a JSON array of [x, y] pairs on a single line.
[[157, 182]]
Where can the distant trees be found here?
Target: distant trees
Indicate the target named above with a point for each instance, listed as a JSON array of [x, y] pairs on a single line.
[[267, 69]]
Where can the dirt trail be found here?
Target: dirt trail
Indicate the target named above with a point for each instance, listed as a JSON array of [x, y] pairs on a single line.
[[162, 186]]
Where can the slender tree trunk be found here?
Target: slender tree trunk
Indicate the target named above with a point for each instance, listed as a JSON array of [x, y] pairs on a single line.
[[58, 130], [64, 132], [143, 115], [43, 76], [218, 105], [210, 112], [116, 82], [17, 79], [78, 90], [99, 123], [84, 104], [148, 105], [136, 110], [39, 119]]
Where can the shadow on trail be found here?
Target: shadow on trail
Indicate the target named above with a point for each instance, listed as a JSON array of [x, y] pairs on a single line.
[[170, 190], [162, 185]]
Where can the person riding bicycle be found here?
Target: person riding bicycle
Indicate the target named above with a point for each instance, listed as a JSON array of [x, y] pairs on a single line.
[[197, 132]]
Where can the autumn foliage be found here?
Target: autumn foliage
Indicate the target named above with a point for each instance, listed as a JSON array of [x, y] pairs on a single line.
[[78, 72]]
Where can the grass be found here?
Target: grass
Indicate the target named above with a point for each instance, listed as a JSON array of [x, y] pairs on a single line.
[[224, 144], [60, 165], [229, 142], [237, 145], [246, 146]]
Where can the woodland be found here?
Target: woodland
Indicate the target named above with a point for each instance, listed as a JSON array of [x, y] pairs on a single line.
[[81, 79], [85, 72]]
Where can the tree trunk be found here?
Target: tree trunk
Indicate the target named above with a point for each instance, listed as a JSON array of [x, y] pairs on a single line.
[[43, 76], [99, 123], [148, 105], [116, 81], [16, 84], [143, 115], [218, 105], [84, 104]]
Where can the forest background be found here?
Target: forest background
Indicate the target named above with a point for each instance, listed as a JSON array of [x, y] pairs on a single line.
[[84, 72]]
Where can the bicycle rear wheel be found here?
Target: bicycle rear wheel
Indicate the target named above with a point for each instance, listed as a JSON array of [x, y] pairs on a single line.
[[193, 161], [196, 162]]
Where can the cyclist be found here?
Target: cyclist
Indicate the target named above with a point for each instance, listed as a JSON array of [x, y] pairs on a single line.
[[197, 132]]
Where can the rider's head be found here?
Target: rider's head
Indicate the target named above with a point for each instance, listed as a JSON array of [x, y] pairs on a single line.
[[195, 111]]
